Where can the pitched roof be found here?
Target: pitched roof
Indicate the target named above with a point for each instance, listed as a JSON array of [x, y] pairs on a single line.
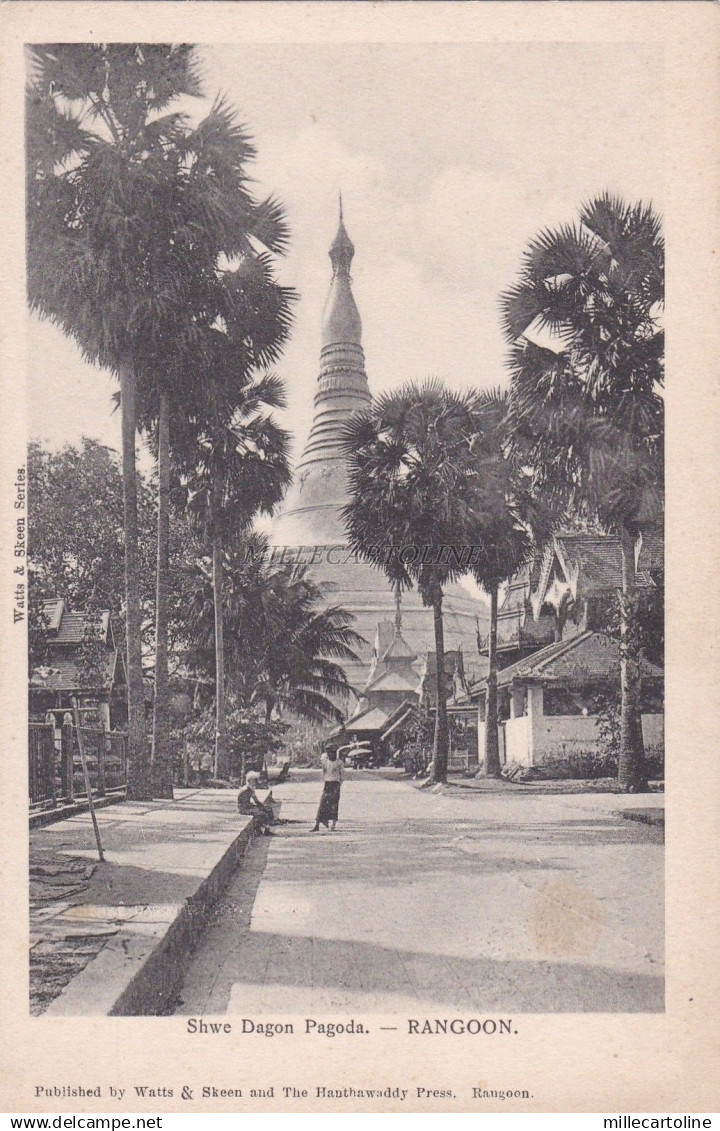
[[398, 649], [393, 681], [589, 655], [65, 627], [392, 660], [372, 719], [596, 561], [381, 722], [61, 674], [398, 716]]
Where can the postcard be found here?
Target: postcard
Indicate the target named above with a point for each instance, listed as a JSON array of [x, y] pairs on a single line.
[[352, 430]]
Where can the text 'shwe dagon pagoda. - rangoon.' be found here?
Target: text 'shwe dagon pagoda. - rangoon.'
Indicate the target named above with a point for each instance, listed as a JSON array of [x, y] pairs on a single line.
[[310, 521]]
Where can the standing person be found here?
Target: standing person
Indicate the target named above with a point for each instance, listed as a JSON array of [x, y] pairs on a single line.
[[333, 773]]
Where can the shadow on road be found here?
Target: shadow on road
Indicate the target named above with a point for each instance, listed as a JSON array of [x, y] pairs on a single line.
[[451, 982]]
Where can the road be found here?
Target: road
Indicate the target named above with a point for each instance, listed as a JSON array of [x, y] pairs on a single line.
[[425, 903]]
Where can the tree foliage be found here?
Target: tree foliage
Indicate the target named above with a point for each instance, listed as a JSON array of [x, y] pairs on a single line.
[[418, 461], [75, 526], [282, 643], [586, 411], [587, 414]]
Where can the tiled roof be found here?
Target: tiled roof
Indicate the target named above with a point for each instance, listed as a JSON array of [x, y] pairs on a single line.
[[61, 674], [596, 561], [590, 655], [65, 627]]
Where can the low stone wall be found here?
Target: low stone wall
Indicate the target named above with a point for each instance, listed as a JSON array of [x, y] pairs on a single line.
[[166, 865], [154, 988]]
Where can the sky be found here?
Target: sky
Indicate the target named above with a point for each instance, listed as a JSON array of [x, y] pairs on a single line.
[[449, 158]]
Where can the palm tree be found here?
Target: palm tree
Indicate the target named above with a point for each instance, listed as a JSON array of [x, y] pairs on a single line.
[[207, 384], [502, 543], [129, 207], [236, 471], [95, 265], [297, 640], [413, 478], [302, 641], [586, 411]]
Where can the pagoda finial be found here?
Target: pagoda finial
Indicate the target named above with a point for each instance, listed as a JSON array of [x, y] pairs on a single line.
[[342, 249], [341, 321]]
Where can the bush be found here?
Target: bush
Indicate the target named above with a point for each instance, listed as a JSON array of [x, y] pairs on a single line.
[[580, 766], [303, 741], [590, 765], [250, 741]]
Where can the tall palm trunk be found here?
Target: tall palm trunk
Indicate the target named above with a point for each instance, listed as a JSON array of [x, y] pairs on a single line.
[[441, 744], [139, 770], [162, 766], [220, 765], [632, 773], [491, 768]]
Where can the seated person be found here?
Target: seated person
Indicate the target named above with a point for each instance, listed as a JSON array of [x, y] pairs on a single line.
[[250, 805]]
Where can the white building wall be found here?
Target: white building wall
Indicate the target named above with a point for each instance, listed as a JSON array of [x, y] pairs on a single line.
[[518, 742], [554, 735], [653, 728], [530, 739], [563, 734]]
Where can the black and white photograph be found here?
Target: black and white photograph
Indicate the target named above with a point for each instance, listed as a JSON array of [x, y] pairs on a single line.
[[340, 543]]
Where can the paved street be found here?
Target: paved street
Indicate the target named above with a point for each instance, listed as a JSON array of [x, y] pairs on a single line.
[[422, 903]]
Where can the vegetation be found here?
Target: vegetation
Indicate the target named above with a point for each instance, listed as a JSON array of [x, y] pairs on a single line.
[[417, 499], [237, 471], [502, 540], [252, 741], [146, 245], [103, 187], [291, 668], [583, 323], [290, 671], [75, 528]]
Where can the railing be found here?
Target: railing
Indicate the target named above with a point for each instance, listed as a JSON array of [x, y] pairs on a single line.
[[55, 768]]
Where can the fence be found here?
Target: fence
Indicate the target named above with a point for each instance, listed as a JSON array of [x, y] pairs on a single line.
[[55, 769]]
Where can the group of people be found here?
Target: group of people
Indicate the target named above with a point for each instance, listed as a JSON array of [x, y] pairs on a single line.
[[249, 804]]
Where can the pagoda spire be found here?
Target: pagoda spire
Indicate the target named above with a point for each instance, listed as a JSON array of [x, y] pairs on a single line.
[[312, 514], [341, 318]]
